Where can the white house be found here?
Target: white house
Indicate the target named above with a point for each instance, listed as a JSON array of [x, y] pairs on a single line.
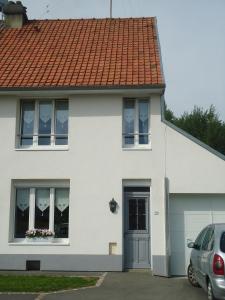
[[82, 128]]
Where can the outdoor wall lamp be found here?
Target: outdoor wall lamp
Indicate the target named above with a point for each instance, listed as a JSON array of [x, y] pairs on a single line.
[[112, 205]]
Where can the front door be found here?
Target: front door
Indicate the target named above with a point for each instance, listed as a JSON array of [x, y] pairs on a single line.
[[136, 235]]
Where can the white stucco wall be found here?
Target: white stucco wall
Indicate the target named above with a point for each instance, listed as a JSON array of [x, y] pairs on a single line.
[[190, 167], [95, 164]]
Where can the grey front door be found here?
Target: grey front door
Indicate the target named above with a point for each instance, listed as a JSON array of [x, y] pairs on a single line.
[[137, 233]]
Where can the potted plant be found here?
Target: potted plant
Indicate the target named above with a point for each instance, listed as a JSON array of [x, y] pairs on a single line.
[[39, 235]]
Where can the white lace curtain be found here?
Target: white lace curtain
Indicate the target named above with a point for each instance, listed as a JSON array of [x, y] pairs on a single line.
[[62, 199], [22, 199], [42, 199]]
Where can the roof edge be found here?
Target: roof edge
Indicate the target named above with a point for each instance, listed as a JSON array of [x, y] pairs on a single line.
[[160, 87], [159, 48]]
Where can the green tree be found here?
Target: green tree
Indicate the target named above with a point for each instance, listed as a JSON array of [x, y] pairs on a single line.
[[204, 124]]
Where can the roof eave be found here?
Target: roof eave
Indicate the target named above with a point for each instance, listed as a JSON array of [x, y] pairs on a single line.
[[146, 89]]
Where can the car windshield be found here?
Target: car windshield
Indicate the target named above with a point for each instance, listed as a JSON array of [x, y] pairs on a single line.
[[222, 242]]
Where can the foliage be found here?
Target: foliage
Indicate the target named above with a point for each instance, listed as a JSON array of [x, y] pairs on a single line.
[[38, 283], [204, 124], [43, 233]]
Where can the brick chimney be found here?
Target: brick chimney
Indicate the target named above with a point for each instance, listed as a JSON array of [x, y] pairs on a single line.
[[15, 14]]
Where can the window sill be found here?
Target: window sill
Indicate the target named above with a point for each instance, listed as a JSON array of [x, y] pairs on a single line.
[[137, 148], [24, 242], [48, 148]]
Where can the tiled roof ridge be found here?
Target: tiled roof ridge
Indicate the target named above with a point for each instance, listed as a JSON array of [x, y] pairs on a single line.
[[106, 18]]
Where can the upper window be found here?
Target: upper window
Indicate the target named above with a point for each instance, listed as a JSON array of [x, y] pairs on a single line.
[[42, 208], [43, 123], [136, 114]]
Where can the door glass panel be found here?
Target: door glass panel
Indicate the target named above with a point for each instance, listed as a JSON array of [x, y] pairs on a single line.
[[61, 122], [45, 120], [61, 226], [143, 121], [22, 212], [42, 200], [137, 214], [27, 123], [128, 117], [141, 214], [133, 225]]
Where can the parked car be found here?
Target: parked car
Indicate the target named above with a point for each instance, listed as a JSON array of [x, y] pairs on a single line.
[[207, 260]]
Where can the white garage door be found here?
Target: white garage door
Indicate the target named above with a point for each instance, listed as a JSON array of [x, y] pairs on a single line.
[[188, 215]]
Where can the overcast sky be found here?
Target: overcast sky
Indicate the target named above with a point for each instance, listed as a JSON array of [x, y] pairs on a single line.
[[192, 38]]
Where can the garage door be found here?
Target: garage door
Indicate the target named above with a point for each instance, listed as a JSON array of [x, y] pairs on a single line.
[[188, 214]]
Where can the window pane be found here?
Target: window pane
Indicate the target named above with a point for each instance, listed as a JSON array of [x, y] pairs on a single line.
[[200, 237], [133, 214], [128, 117], [27, 123], [61, 122], [45, 120], [61, 226], [143, 121], [22, 212], [207, 239], [141, 214], [42, 200]]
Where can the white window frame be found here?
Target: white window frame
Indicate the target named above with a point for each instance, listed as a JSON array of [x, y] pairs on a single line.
[[35, 146], [136, 133], [32, 187]]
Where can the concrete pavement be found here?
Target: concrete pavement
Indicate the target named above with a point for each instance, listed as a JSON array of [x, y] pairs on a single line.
[[127, 285]]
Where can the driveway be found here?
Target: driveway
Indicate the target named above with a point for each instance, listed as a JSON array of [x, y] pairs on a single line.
[[127, 285]]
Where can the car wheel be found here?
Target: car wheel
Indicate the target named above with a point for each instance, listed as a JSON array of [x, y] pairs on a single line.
[[191, 276], [210, 291]]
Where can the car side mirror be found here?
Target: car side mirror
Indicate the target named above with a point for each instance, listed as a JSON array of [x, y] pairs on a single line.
[[191, 245]]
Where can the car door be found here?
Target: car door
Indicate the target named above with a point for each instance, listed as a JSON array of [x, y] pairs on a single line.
[[196, 254], [205, 253]]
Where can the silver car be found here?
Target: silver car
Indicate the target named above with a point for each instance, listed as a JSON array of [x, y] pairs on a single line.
[[206, 267]]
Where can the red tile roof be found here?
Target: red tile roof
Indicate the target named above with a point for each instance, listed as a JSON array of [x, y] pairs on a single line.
[[81, 53]]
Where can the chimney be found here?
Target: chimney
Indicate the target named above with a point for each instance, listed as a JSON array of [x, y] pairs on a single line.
[[15, 14]]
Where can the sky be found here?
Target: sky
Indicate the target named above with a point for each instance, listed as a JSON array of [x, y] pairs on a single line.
[[192, 39]]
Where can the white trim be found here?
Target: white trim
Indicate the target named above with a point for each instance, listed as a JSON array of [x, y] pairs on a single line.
[[36, 121], [36, 134], [52, 209], [55, 242], [136, 182], [30, 183], [32, 208], [44, 148], [136, 134]]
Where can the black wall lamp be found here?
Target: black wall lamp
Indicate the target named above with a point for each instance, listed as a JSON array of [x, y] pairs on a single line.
[[112, 205]]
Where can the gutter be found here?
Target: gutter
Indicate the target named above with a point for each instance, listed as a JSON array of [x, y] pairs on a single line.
[[147, 89]]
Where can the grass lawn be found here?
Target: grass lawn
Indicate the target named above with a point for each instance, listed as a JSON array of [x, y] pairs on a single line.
[[22, 283]]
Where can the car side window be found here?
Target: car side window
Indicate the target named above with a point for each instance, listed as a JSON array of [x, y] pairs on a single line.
[[222, 242], [208, 240], [198, 241]]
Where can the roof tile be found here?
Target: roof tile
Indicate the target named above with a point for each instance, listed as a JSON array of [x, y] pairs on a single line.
[[81, 53]]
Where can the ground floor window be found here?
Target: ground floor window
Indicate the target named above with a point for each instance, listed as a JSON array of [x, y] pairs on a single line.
[[42, 208]]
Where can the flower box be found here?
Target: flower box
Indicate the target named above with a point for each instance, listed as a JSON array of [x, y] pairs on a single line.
[[39, 235]]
